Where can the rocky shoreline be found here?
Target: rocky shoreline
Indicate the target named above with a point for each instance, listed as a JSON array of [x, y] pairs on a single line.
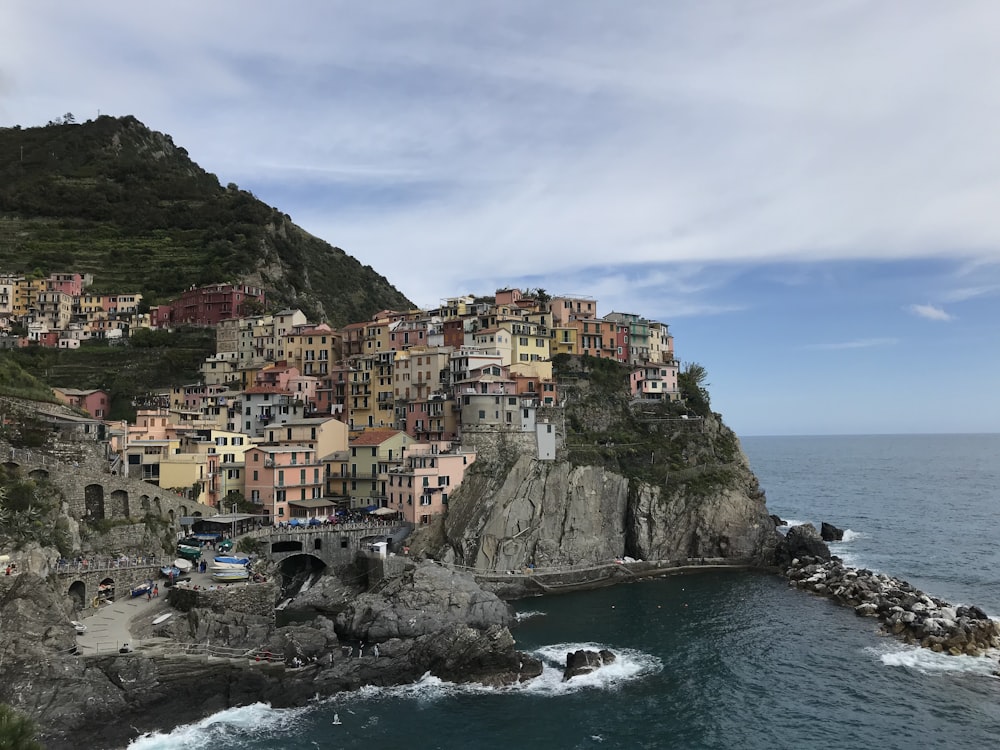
[[903, 610]]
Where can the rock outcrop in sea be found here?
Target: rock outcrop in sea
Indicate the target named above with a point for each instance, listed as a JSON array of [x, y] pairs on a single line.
[[903, 610]]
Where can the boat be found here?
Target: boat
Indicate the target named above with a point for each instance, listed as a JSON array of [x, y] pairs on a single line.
[[170, 571], [141, 590], [162, 618], [187, 552], [183, 565], [230, 576], [336, 719], [228, 568], [231, 560]]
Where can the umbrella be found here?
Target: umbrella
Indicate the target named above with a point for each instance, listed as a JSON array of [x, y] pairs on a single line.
[[295, 522], [314, 521], [383, 511]]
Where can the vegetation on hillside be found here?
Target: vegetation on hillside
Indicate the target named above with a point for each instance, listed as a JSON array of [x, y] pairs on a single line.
[[651, 441], [112, 198], [30, 512], [152, 361], [17, 383], [17, 731]]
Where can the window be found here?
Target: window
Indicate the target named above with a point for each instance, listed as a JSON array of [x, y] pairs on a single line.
[[482, 414], [255, 477]]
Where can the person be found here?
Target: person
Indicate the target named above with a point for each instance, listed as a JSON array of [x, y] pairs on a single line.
[[156, 589], [375, 651], [149, 593]]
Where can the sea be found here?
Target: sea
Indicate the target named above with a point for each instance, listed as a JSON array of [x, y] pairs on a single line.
[[724, 659]]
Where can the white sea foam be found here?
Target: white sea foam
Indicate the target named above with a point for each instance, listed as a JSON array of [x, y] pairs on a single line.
[[522, 616], [789, 522], [850, 535], [925, 661], [251, 720]]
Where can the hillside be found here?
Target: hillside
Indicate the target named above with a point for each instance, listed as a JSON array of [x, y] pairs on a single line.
[[112, 198]]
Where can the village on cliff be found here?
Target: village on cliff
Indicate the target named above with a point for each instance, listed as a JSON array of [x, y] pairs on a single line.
[[304, 421]]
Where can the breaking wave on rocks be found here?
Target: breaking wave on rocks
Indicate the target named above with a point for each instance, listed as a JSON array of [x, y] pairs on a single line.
[[522, 616], [250, 721], [928, 662], [250, 724]]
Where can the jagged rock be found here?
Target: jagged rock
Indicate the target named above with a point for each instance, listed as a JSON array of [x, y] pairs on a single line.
[[777, 521], [422, 601], [830, 533], [585, 661], [805, 541], [904, 611]]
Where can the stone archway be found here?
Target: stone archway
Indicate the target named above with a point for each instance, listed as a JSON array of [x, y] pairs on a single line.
[[182, 510], [170, 514], [318, 543], [106, 591], [144, 503], [39, 475], [157, 507], [119, 504], [93, 499], [78, 593]]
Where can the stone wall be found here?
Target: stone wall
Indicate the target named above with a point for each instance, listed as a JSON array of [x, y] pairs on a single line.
[[247, 598]]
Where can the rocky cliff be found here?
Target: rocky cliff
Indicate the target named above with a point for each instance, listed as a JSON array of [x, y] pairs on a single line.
[[649, 483]]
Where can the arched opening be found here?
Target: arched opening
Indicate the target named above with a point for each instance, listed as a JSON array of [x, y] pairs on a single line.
[[78, 593], [183, 510], [288, 546], [144, 503], [39, 474], [119, 504], [317, 543], [170, 514], [10, 467], [93, 501], [157, 507], [196, 514], [105, 591]]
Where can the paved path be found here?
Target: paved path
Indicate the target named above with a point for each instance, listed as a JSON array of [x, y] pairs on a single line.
[[108, 627]]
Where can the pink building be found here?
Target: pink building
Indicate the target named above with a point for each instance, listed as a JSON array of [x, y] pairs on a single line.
[[96, 403], [430, 472], [279, 474]]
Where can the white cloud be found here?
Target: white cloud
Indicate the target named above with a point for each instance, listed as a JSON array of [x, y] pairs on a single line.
[[496, 141], [855, 344], [930, 312]]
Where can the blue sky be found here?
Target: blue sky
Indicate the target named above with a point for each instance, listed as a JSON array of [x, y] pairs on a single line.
[[805, 192]]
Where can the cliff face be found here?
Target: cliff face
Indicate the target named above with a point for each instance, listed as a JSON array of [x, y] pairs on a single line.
[[652, 485]]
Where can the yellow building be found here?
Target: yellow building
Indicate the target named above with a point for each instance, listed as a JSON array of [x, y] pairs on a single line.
[[361, 473]]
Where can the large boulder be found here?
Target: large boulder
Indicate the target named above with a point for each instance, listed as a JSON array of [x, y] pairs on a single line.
[[422, 601], [585, 661], [830, 533], [805, 541]]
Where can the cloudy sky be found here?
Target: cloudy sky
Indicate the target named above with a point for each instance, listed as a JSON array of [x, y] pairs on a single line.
[[804, 191]]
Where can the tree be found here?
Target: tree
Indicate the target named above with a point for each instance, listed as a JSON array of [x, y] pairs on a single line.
[[693, 388], [17, 731], [68, 118]]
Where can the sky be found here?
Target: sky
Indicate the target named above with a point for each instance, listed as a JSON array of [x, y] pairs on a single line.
[[806, 192]]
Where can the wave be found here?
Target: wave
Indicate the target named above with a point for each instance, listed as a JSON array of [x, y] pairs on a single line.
[[789, 522], [528, 615], [260, 719], [253, 720], [928, 662], [850, 535]]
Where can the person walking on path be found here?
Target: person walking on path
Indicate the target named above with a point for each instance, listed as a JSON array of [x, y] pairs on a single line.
[[156, 590], [149, 593]]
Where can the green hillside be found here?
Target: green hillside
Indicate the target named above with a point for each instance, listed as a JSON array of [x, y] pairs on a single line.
[[114, 199]]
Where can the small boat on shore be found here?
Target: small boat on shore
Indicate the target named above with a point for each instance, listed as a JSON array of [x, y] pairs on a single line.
[[231, 560], [230, 576], [170, 571], [183, 565]]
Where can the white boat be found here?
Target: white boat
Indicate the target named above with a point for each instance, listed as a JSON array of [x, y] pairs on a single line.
[[227, 566], [336, 719], [229, 576], [163, 618], [184, 566]]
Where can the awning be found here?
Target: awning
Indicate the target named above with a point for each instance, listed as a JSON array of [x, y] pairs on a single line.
[[384, 511]]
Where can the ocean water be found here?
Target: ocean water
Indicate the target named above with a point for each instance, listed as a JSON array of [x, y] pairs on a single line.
[[725, 660]]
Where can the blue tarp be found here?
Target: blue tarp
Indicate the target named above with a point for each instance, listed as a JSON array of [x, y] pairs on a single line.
[[314, 522], [370, 508], [295, 522]]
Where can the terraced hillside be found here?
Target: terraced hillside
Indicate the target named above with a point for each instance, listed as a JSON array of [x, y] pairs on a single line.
[[112, 198]]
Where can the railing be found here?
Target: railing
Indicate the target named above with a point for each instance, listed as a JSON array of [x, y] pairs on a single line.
[[102, 564]]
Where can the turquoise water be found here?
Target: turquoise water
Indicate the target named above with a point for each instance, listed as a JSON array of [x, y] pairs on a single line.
[[720, 660]]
